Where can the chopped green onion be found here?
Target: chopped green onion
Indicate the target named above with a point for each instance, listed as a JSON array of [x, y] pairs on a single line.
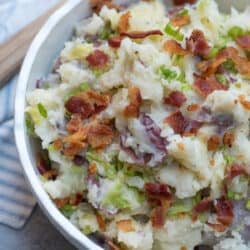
[[87, 230], [42, 110], [228, 158], [68, 210], [84, 86], [167, 73], [183, 12], [233, 196], [221, 78], [213, 52], [248, 205], [235, 32], [97, 72], [105, 33], [237, 85], [30, 126], [180, 206], [169, 30]]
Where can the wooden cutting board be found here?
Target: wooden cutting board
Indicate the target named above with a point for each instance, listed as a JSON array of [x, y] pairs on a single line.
[[13, 51]]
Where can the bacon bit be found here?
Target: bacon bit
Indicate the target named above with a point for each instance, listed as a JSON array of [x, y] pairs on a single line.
[[97, 5], [133, 109], [112, 245], [125, 225], [174, 47], [92, 168], [76, 199], [203, 206], [42, 165], [97, 59], [224, 211], [228, 139], [193, 107], [99, 136], [158, 217], [61, 202], [77, 105], [244, 102], [58, 144], [182, 2], [141, 34], [51, 174], [218, 227], [205, 86], [157, 189], [101, 222], [123, 24], [178, 122], [234, 171], [212, 162], [72, 149], [211, 66], [74, 124], [197, 44], [180, 21], [87, 103], [115, 42], [213, 143], [79, 136], [176, 99], [243, 41], [181, 146]]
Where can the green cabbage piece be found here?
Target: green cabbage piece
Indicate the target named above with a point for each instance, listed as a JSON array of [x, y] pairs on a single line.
[[171, 31], [109, 169], [68, 210]]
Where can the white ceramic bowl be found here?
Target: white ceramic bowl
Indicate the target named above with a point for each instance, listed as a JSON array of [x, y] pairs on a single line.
[[38, 62]]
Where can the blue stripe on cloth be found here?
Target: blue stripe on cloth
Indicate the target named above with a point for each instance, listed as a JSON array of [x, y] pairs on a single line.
[[16, 200]]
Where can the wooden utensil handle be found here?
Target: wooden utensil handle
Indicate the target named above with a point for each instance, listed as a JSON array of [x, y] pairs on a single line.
[[14, 50]]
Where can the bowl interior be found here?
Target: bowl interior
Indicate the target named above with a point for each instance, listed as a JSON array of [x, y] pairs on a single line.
[[38, 63]]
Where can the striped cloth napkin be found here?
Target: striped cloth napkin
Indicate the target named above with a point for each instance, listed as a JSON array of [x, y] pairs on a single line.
[[16, 200]]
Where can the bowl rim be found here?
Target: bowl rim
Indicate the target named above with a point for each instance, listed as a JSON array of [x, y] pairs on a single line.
[[69, 231]]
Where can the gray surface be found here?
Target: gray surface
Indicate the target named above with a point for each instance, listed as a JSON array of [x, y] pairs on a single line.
[[37, 234]]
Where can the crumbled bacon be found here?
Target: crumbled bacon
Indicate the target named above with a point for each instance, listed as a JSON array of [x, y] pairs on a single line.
[[133, 109], [76, 199], [87, 103], [243, 41], [51, 174], [213, 142], [123, 24], [158, 217], [180, 20], [74, 124], [58, 144], [72, 149], [97, 5], [203, 206], [115, 41], [176, 99], [228, 139], [42, 165], [178, 122], [77, 105], [79, 136], [92, 168], [101, 222], [100, 135], [141, 34], [197, 44], [224, 211], [209, 67], [97, 59], [61, 202], [153, 189], [244, 102], [205, 86], [125, 225], [193, 107], [234, 171], [182, 2], [174, 47]]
